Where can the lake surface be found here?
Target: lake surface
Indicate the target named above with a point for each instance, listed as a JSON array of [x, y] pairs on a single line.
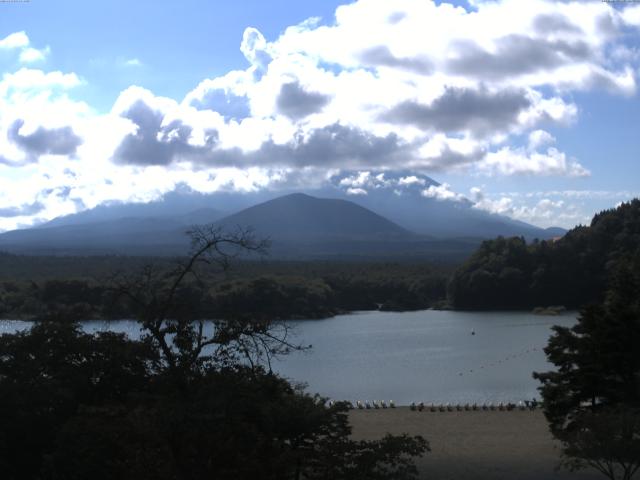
[[428, 356]]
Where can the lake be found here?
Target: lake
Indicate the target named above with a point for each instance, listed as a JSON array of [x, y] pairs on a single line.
[[428, 356]]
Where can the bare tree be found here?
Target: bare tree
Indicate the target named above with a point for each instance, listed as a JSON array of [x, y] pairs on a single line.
[[166, 303]]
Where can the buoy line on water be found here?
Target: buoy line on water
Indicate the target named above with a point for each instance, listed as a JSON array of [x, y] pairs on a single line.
[[503, 360]]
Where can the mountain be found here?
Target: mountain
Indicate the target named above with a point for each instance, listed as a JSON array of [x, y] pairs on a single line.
[[555, 232], [305, 227], [300, 217], [390, 218], [442, 218], [299, 226], [160, 235], [174, 206], [124, 235], [397, 196]]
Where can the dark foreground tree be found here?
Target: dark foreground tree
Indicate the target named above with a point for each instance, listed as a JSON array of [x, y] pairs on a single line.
[[592, 400], [47, 374], [607, 440], [191, 400]]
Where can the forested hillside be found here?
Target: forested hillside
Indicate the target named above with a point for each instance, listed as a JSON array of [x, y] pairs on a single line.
[[572, 271]]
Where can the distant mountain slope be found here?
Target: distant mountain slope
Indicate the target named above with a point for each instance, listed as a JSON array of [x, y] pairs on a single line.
[[302, 217], [446, 218], [300, 227], [555, 232], [181, 212], [399, 197], [83, 234], [382, 223], [124, 235]]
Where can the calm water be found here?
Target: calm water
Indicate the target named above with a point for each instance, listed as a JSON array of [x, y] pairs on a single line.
[[428, 356]]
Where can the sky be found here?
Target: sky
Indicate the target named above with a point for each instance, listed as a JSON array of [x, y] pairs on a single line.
[[527, 109]]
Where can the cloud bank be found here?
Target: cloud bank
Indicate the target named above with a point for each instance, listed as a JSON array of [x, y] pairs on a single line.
[[409, 85]]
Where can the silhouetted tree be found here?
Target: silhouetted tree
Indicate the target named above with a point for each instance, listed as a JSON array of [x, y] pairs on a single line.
[[170, 304], [47, 374], [607, 440], [592, 400]]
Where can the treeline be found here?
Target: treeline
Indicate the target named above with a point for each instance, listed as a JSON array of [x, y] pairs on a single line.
[[572, 271], [274, 290]]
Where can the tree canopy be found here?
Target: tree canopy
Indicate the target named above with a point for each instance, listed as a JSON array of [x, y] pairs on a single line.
[[508, 273]]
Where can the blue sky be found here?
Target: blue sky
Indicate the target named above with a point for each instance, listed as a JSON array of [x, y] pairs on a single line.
[[528, 110], [179, 43]]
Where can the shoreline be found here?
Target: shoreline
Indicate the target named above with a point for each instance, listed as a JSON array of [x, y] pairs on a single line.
[[473, 445], [343, 313]]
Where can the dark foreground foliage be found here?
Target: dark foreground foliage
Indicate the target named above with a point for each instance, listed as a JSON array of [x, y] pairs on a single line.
[[508, 273], [592, 401], [183, 403], [77, 406]]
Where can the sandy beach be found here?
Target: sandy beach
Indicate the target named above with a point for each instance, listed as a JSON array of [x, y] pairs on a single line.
[[472, 445]]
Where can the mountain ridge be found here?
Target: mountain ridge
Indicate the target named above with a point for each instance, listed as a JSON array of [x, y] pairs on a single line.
[[300, 226], [300, 215]]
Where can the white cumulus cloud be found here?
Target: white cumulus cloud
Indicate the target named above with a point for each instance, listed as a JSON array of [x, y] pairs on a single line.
[[15, 40], [404, 86], [441, 192], [31, 55], [510, 161], [20, 41]]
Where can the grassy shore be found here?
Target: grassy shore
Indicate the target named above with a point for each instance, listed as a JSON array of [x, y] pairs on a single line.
[[491, 445]]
